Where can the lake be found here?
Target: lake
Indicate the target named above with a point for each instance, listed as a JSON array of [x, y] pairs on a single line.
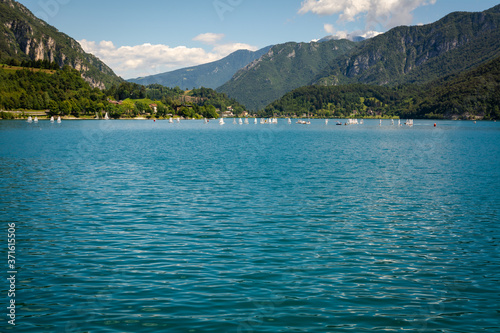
[[142, 226]]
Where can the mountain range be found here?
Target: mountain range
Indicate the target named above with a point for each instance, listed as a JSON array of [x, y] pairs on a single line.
[[211, 75], [25, 37], [416, 54]]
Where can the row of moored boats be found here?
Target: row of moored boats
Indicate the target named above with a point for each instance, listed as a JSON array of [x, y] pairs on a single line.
[[35, 120]]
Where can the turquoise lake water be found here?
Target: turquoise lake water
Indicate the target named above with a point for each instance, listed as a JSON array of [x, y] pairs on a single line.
[[142, 226]]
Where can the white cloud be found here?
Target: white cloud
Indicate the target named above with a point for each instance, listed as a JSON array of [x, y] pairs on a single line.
[[330, 29], [386, 13], [148, 59], [209, 38], [338, 34]]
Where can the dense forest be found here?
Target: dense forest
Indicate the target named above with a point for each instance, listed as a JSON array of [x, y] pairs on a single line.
[[43, 86], [473, 94]]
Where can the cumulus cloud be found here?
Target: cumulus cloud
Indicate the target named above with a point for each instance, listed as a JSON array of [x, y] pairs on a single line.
[[386, 13], [149, 59], [340, 34]]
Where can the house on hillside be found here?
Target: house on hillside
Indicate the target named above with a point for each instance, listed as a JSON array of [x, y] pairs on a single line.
[[115, 102], [154, 107], [227, 114]]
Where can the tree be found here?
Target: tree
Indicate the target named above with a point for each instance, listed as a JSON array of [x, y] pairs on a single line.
[[54, 107]]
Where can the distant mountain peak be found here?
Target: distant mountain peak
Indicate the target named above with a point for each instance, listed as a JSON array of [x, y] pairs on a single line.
[[405, 54], [211, 75]]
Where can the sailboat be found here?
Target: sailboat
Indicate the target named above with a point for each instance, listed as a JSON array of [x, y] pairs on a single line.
[[326, 121], [289, 121], [234, 121], [59, 119], [179, 120], [221, 121], [106, 117], [170, 120], [392, 122], [52, 119], [246, 121], [240, 121], [205, 121], [36, 119], [255, 121], [30, 120]]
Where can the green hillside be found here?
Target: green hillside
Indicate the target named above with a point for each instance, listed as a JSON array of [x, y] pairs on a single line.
[[64, 92], [283, 68], [474, 94]]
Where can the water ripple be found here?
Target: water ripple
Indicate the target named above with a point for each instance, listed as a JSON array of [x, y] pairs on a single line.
[[144, 227]]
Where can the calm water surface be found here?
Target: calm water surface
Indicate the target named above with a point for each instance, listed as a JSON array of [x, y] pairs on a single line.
[[136, 226]]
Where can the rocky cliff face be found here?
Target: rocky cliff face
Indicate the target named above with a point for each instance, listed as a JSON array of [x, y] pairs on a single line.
[[23, 36], [419, 53]]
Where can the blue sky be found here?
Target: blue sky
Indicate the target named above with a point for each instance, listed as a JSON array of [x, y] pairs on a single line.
[[153, 36]]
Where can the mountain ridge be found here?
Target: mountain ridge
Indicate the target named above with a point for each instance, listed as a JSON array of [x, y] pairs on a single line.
[[23, 36], [407, 54]]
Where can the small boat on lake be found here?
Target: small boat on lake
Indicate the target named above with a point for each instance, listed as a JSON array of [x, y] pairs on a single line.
[[30, 120], [59, 119], [221, 121], [52, 119]]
